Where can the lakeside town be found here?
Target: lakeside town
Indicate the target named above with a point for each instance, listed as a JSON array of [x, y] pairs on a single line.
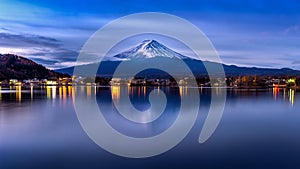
[[234, 82], [19, 71]]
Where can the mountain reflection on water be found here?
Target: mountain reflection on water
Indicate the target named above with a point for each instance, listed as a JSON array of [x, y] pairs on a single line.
[[39, 129]]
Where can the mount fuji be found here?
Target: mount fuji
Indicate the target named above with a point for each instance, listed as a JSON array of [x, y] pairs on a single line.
[[151, 50]]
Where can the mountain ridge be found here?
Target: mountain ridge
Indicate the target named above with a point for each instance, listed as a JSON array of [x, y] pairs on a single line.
[[151, 49], [107, 68], [18, 67]]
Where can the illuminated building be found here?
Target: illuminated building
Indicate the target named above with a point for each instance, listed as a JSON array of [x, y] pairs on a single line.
[[51, 83]]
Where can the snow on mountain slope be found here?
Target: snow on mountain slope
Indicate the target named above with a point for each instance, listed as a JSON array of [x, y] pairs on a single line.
[[149, 49]]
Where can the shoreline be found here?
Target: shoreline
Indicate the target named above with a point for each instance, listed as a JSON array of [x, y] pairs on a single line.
[[187, 86]]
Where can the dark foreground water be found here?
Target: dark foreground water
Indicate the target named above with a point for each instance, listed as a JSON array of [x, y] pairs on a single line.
[[39, 129]]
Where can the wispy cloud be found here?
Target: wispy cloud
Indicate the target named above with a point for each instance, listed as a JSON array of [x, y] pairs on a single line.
[[46, 50], [291, 29], [8, 39]]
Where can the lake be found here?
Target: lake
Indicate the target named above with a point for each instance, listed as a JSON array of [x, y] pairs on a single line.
[[39, 129]]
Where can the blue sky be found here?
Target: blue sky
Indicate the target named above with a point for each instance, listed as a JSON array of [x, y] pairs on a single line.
[[245, 33]]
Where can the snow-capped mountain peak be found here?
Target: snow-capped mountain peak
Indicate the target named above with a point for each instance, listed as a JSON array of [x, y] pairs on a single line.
[[149, 49]]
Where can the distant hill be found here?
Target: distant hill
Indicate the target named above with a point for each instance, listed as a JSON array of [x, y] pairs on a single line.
[[17, 67], [151, 50]]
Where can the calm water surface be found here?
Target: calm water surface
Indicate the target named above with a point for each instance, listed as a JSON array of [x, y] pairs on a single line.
[[39, 129]]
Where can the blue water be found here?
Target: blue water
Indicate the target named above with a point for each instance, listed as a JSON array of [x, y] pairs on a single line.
[[39, 129]]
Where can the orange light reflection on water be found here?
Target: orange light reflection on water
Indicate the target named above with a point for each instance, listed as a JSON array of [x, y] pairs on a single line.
[[290, 93], [182, 90], [292, 96], [0, 93], [275, 92], [89, 91], [115, 92], [64, 92]]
